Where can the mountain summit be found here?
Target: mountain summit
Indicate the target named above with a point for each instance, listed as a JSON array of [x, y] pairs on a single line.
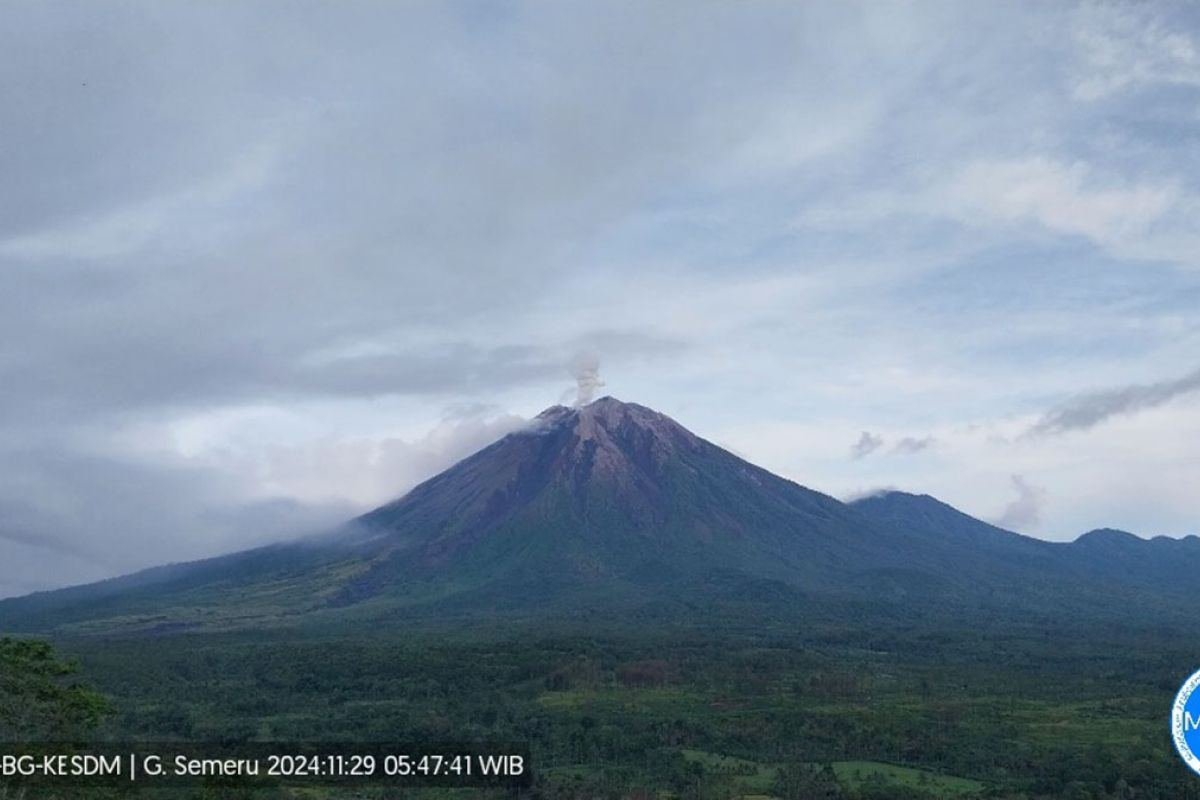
[[611, 496], [613, 507]]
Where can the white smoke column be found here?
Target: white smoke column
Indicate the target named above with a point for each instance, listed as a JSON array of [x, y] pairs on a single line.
[[586, 369]]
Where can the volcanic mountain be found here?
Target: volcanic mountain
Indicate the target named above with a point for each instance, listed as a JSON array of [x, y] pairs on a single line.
[[613, 507]]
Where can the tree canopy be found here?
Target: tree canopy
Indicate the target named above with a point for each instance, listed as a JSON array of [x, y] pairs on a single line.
[[40, 700]]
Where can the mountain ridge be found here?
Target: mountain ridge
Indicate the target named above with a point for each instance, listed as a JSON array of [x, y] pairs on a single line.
[[615, 507]]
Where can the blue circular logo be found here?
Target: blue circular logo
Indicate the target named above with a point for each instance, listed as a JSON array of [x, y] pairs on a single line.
[[1185, 722]]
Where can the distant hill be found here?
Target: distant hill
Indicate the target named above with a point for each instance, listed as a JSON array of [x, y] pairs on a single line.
[[614, 509]]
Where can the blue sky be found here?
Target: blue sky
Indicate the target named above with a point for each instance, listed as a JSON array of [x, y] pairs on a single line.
[[269, 264]]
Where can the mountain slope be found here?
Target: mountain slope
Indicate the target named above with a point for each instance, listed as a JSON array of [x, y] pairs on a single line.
[[1101, 569], [610, 508], [612, 505], [609, 492]]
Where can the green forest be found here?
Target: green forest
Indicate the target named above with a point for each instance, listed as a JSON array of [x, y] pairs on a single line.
[[830, 710]]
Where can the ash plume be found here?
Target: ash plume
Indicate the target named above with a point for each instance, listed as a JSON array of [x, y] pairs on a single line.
[[586, 369]]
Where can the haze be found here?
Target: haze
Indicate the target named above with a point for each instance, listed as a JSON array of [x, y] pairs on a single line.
[[266, 265]]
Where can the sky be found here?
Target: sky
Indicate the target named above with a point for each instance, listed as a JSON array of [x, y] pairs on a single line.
[[266, 265]]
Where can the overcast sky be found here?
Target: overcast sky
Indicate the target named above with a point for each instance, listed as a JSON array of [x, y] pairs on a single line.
[[266, 265]]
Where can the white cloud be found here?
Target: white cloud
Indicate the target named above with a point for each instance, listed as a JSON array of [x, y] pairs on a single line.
[[1001, 200], [358, 471], [1066, 198], [1127, 46], [1137, 473]]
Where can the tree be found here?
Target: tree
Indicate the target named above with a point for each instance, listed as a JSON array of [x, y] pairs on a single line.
[[39, 700], [807, 782]]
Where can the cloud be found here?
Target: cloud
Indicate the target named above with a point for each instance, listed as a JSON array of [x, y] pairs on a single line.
[[184, 370], [1129, 46], [26, 568], [911, 445], [455, 199], [990, 202], [85, 516], [1089, 410], [867, 443], [363, 472], [1025, 512], [864, 494], [1062, 197], [120, 232]]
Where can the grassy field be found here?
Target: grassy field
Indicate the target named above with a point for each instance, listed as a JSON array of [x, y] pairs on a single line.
[[854, 775], [755, 779], [746, 776]]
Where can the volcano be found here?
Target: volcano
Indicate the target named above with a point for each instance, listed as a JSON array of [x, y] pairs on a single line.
[[612, 508], [608, 496]]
